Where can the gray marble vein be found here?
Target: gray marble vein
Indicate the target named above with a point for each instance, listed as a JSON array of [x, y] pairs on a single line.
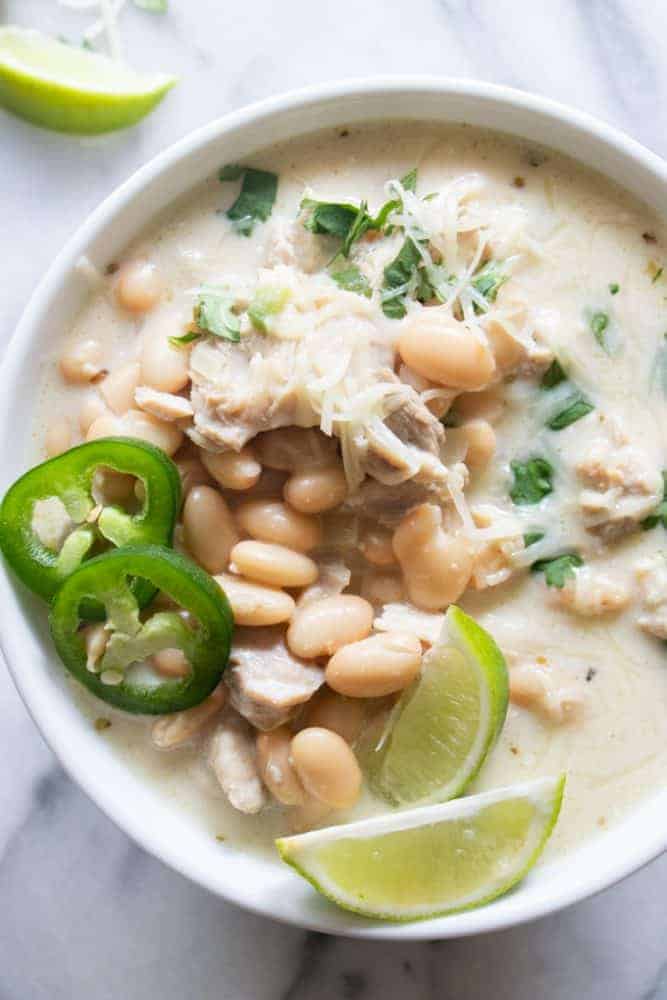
[[85, 913]]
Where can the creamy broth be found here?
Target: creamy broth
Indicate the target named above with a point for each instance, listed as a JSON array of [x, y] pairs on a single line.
[[578, 249]]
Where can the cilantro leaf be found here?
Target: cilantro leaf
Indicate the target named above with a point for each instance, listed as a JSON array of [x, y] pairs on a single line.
[[576, 407], [397, 276], [558, 569], [409, 180], [532, 480], [659, 515], [352, 280], [531, 537], [489, 279], [232, 172], [152, 6], [553, 376], [614, 288], [266, 303], [329, 218], [185, 338], [214, 313], [256, 198], [598, 323]]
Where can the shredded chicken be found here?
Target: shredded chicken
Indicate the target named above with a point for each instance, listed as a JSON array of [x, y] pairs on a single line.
[[590, 593], [388, 504], [404, 617], [621, 484], [329, 365], [163, 405], [233, 760], [651, 574], [494, 561], [540, 689], [333, 578], [267, 683]]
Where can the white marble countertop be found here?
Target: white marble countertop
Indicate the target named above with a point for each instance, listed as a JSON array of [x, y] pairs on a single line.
[[84, 913]]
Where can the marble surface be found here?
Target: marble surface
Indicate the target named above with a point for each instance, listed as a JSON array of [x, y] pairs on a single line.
[[83, 911]]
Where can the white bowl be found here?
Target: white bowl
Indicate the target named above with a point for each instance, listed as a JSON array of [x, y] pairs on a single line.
[[258, 884]]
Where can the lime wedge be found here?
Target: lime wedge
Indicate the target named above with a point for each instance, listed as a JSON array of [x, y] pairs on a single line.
[[433, 860], [443, 727], [71, 90]]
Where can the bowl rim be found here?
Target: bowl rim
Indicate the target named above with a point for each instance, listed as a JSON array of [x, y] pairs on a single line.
[[484, 919]]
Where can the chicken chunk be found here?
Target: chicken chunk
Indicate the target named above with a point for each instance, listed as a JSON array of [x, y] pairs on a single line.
[[651, 574], [621, 484], [388, 504], [292, 244], [330, 366], [494, 560], [267, 683], [542, 690], [332, 579], [590, 593], [232, 757], [163, 405]]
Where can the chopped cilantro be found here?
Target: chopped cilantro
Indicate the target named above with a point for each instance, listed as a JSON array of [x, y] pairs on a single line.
[[532, 480], [350, 222], [266, 303], [576, 407], [330, 218], [599, 323], [352, 280], [489, 279], [659, 515], [558, 569], [614, 288], [184, 339], [256, 198], [409, 180], [553, 376], [214, 313], [531, 537], [153, 6], [397, 277], [657, 275]]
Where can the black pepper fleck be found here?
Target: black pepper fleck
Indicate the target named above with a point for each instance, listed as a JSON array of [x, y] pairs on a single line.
[[590, 674]]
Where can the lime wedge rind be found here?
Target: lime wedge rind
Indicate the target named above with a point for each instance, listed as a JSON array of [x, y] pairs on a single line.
[[411, 764], [66, 89], [304, 852]]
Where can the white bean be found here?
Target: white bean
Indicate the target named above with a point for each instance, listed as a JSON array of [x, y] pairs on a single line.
[[58, 438], [210, 531], [273, 564], [138, 286], [327, 767], [163, 367], [445, 350], [436, 565], [275, 767], [272, 521], [81, 361], [254, 603], [118, 387], [321, 627], [376, 666], [91, 409], [316, 490], [233, 470]]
